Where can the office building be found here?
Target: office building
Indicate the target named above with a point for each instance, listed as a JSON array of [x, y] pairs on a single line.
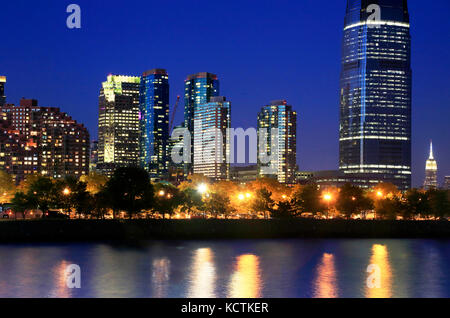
[[199, 89], [212, 121], [375, 88], [154, 123], [277, 142], [118, 123]]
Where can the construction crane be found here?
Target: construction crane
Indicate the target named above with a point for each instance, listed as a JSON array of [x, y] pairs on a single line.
[[174, 111]]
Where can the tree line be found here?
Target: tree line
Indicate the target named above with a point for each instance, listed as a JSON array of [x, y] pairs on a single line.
[[129, 193]]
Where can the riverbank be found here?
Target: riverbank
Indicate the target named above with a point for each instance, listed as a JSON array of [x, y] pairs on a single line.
[[124, 230]]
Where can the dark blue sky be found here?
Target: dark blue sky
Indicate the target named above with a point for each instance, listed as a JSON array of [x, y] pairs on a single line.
[[261, 50]]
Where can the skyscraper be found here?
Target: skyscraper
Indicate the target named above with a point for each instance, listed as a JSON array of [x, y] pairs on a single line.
[[211, 141], [154, 123], [279, 122], [2, 90], [199, 89], [375, 102], [118, 123], [431, 169]]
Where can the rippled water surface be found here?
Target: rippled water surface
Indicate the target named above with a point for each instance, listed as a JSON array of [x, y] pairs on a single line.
[[247, 268]]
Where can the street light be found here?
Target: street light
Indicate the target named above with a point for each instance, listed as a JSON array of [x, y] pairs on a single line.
[[241, 196], [161, 193], [202, 188], [327, 197], [248, 195], [66, 191]]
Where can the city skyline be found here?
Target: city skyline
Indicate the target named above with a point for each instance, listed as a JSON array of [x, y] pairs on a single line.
[[312, 143]]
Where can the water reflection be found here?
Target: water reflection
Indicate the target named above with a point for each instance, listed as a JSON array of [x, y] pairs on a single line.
[[246, 279], [325, 284], [203, 274], [160, 277], [60, 289], [380, 258]]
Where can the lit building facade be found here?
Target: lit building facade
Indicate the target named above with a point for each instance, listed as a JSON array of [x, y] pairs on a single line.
[[2, 90], [244, 174], [93, 156], [154, 123], [447, 183], [375, 102], [43, 140], [431, 170], [118, 123], [199, 89], [212, 122], [280, 147]]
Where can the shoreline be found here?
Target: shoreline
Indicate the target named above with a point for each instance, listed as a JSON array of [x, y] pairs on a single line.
[[136, 230]]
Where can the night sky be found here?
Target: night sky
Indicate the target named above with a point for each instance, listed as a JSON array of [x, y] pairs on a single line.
[[261, 51]]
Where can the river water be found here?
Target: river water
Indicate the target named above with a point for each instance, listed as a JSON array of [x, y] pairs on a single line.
[[241, 269]]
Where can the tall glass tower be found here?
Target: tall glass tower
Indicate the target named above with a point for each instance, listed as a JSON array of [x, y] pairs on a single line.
[[154, 123], [198, 90], [375, 93], [2, 90]]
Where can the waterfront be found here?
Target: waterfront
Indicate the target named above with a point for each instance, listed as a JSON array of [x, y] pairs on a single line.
[[229, 268]]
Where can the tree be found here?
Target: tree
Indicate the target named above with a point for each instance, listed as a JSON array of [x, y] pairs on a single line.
[[308, 199], [352, 200], [285, 210], [191, 200], [218, 204], [7, 187], [21, 203], [167, 199], [100, 203], [417, 203], [95, 182], [439, 203], [389, 208], [263, 202], [130, 190], [41, 193]]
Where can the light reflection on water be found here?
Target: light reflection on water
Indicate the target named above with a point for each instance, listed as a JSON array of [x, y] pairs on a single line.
[[380, 258], [246, 279], [325, 283], [235, 269]]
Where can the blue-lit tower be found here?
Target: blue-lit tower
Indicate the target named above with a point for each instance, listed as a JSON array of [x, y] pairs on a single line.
[[154, 123], [375, 93]]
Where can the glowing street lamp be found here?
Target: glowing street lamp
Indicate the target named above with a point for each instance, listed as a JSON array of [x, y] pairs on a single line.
[[241, 197], [379, 194], [66, 191], [248, 195], [202, 188], [161, 193], [327, 197]]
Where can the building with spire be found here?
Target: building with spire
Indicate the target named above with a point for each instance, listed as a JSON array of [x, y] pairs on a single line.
[[431, 171]]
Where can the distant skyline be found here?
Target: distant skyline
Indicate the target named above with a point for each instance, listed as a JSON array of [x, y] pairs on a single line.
[[261, 52]]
